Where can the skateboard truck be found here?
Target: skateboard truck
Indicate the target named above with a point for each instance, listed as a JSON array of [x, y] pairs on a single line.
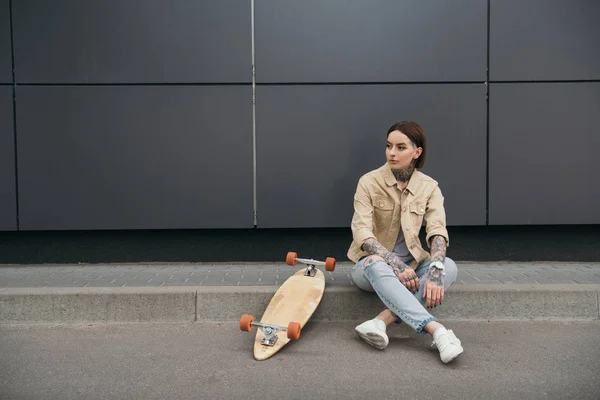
[[311, 269], [270, 331]]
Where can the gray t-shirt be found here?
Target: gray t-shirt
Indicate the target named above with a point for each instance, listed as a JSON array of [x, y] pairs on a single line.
[[401, 249]]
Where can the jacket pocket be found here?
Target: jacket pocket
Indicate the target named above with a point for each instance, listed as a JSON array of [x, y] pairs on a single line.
[[383, 212], [383, 204], [417, 212]]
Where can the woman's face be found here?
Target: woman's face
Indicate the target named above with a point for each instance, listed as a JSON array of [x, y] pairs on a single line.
[[400, 151]]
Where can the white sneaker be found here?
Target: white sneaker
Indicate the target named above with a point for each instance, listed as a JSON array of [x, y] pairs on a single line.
[[448, 344], [373, 332]]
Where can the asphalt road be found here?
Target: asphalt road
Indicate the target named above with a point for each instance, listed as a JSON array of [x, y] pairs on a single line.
[[502, 360]]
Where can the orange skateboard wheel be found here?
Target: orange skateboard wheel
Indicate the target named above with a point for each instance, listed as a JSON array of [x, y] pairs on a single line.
[[246, 323], [330, 264], [293, 331], [290, 259]]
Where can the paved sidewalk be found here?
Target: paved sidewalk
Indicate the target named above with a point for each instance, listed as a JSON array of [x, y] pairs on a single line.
[[225, 291], [271, 274]]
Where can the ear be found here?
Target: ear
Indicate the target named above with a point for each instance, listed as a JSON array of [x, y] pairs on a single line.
[[418, 152]]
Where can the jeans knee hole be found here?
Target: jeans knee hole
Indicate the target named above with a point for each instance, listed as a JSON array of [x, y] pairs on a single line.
[[370, 260]]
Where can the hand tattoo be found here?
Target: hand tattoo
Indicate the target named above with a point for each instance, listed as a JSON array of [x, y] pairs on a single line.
[[372, 246], [435, 277], [397, 265]]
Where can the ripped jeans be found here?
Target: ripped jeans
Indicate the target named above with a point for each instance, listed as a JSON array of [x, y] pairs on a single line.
[[379, 277]]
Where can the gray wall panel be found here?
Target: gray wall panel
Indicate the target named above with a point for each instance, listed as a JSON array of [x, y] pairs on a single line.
[[544, 147], [314, 142], [544, 40], [135, 157], [374, 41], [5, 56], [131, 41], [8, 204]]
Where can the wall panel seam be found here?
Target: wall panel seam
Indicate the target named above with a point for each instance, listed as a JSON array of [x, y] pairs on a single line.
[[14, 113]]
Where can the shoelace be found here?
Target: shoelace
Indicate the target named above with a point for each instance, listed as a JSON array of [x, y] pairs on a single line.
[[452, 339]]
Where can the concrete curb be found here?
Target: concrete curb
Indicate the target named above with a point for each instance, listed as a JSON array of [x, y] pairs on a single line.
[[42, 305], [228, 303]]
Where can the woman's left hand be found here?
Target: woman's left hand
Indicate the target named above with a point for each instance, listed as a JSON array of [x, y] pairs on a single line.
[[433, 289]]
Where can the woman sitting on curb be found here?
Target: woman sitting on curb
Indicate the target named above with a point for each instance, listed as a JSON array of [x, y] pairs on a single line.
[[390, 204]]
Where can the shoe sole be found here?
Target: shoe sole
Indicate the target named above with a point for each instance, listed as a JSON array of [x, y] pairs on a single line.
[[453, 355], [373, 339]]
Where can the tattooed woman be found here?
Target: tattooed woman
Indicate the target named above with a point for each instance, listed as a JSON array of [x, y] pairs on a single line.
[[390, 205]]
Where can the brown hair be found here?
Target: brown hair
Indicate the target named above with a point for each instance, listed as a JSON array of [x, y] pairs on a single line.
[[416, 134]]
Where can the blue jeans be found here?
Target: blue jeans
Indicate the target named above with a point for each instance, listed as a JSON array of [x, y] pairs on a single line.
[[379, 277]]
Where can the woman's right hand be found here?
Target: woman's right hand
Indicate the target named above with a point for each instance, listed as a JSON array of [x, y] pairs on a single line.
[[405, 274]]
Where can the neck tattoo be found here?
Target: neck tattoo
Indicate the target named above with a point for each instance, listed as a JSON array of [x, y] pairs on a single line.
[[403, 174]]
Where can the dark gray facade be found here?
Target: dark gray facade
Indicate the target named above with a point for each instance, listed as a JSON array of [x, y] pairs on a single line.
[[316, 141], [8, 202], [544, 146], [162, 157], [5, 53], [114, 41], [370, 41], [142, 117], [544, 40]]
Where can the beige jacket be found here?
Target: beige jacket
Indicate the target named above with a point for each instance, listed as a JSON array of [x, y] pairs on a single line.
[[380, 209]]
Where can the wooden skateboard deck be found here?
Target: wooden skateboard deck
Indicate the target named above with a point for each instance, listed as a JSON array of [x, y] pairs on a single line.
[[296, 300], [290, 308]]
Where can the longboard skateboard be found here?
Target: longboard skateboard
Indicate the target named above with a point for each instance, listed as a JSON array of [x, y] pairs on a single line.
[[290, 308]]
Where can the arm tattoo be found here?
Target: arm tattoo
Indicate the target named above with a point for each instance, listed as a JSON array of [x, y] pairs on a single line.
[[438, 253], [372, 246], [438, 248]]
